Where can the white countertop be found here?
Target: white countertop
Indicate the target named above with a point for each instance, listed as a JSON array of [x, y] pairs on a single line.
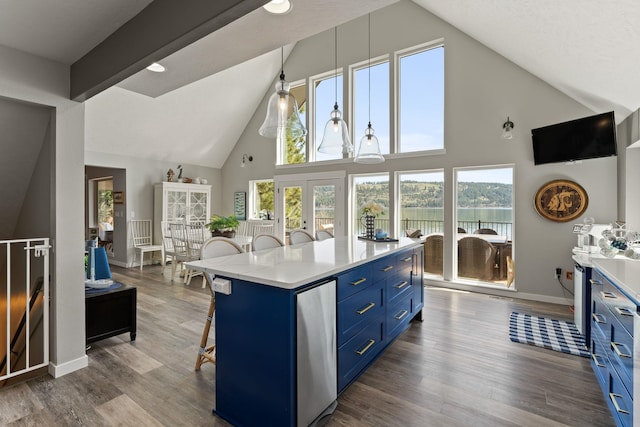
[[292, 266], [625, 273]]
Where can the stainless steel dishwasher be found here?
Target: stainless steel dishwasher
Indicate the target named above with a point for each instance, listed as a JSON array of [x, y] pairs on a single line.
[[317, 377]]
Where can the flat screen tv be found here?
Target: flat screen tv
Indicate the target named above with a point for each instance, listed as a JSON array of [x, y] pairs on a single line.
[[585, 138]]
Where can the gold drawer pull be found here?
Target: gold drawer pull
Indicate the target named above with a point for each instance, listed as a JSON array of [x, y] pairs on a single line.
[[599, 318], [387, 268], [595, 282], [400, 315], [358, 282], [401, 285], [606, 294], [407, 259], [597, 362], [613, 397], [617, 350], [623, 311], [367, 308], [367, 347]]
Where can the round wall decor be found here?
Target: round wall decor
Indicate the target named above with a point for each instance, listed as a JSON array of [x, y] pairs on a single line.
[[561, 200]]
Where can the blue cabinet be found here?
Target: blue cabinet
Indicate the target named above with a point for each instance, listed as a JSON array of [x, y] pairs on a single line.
[[612, 331]]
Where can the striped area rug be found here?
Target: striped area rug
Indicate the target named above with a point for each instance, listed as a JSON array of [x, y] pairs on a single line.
[[552, 334]]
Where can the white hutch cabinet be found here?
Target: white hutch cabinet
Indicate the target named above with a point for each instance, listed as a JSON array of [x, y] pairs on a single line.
[[175, 201]]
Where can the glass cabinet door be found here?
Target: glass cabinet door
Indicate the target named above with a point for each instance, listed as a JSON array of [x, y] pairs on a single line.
[[176, 205], [198, 207]]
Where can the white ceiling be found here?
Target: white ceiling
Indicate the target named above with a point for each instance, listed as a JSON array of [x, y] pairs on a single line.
[[586, 48]]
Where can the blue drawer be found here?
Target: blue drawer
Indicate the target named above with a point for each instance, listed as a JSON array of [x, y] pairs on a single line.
[[404, 260], [620, 306], [621, 353], [399, 285], [354, 281], [600, 320], [355, 312], [384, 268], [600, 363], [398, 316], [619, 401], [359, 351]]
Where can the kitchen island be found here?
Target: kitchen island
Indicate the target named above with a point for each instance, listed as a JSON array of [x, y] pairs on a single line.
[[294, 326]]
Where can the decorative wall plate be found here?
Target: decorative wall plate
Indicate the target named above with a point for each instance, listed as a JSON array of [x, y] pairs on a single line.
[[561, 200]]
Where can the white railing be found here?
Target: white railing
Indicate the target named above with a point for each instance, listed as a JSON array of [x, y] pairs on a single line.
[[24, 306]]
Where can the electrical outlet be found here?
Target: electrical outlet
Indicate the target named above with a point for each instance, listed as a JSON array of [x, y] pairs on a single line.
[[558, 272], [569, 275]]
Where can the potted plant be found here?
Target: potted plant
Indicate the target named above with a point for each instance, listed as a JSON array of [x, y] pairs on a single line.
[[224, 226]]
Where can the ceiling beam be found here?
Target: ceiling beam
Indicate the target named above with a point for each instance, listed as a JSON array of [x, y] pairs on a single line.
[[162, 28]]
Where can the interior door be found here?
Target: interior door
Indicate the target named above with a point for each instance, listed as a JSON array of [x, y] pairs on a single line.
[[310, 205]]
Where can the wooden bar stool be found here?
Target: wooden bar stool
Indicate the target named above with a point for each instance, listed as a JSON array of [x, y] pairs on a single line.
[[214, 247]]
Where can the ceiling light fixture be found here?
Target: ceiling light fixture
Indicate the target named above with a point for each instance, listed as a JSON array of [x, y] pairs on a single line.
[[507, 129], [278, 7], [282, 119], [157, 68], [246, 158], [336, 133], [369, 151]]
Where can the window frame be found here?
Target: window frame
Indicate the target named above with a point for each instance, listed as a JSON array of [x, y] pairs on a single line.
[[354, 210], [252, 196], [311, 112]]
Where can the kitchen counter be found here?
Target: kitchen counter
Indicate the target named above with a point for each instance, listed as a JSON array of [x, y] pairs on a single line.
[[290, 267], [623, 272]]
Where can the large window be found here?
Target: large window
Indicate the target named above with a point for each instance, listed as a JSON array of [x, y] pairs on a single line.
[[420, 108], [484, 213], [371, 104], [421, 196], [370, 188], [324, 100], [261, 199]]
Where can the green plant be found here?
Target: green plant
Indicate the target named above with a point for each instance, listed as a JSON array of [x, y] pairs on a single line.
[[223, 223]]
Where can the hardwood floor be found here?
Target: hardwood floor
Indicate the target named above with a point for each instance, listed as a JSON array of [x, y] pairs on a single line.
[[457, 368]]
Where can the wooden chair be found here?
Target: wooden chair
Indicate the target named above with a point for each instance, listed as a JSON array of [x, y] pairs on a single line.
[[485, 231], [300, 236], [323, 235], [141, 232], [461, 230], [476, 258], [265, 241], [195, 234], [214, 247], [433, 260], [178, 235], [262, 229]]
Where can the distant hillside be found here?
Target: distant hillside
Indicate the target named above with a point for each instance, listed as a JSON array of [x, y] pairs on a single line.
[[430, 194]]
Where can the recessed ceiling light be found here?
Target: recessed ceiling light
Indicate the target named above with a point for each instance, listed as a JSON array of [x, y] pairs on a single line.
[[278, 7], [156, 68]]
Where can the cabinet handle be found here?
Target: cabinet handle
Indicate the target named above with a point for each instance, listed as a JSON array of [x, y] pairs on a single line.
[[387, 268], [400, 315], [597, 318], [613, 397], [623, 311], [401, 285], [367, 308], [357, 282], [607, 294], [597, 362], [407, 259], [617, 350], [366, 347], [595, 282]]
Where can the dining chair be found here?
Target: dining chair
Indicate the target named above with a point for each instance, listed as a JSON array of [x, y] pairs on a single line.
[[141, 233], [300, 236], [485, 231], [323, 235], [433, 247], [195, 233], [213, 247], [265, 241], [262, 229], [180, 251], [476, 258]]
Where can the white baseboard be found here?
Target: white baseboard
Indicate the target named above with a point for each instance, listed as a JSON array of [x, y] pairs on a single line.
[[118, 263], [56, 371]]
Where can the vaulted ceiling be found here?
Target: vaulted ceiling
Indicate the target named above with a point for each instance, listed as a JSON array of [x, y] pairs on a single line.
[[585, 48]]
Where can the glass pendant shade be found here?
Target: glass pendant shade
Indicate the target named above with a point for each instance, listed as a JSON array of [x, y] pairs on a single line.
[[336, 135], [369, 151], [282, 114], [507, 129]]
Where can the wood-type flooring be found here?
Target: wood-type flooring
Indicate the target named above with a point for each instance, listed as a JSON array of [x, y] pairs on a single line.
[[457, 368]]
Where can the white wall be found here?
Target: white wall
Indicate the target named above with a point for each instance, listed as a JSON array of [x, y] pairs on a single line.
[[481, 89], [27, 78]]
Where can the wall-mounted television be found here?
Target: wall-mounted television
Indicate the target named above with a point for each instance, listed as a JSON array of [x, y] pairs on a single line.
[[585, 138]]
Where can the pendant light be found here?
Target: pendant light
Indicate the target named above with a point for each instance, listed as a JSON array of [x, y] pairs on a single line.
[[282, 119], [369, 151], [336, 133]]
